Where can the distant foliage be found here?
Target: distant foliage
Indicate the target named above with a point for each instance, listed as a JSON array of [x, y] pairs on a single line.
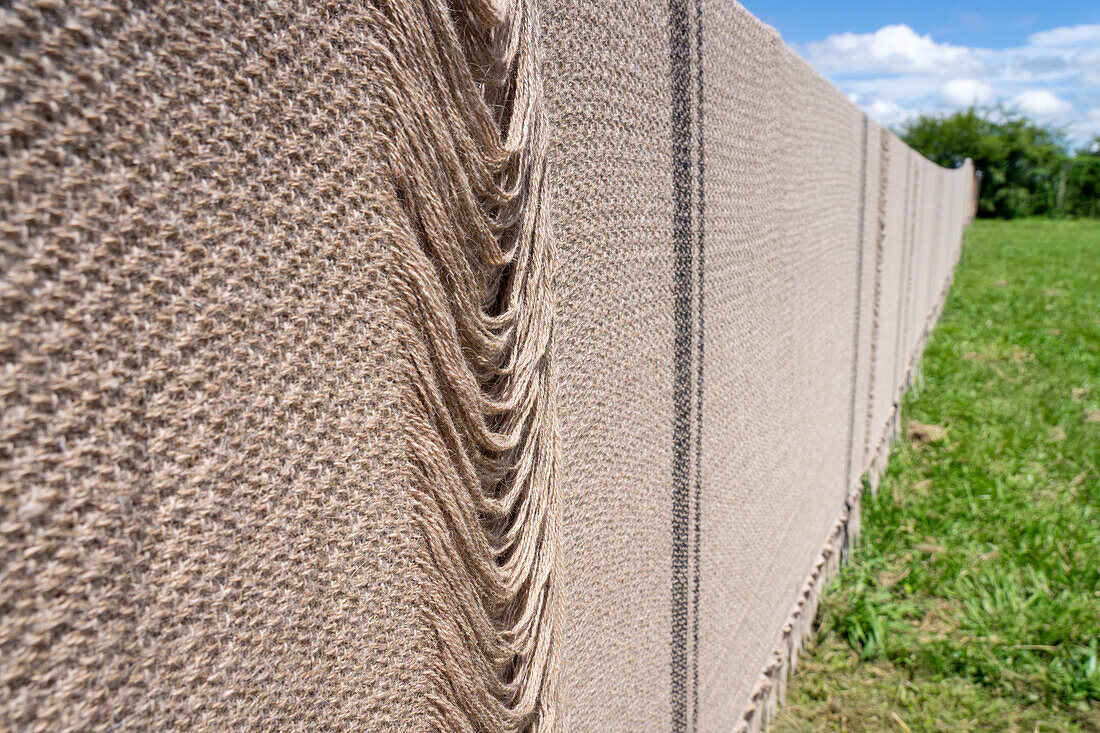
[[1026, 168], [1083, 182]]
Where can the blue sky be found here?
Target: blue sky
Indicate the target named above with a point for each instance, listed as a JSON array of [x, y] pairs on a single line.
[[899, 59]]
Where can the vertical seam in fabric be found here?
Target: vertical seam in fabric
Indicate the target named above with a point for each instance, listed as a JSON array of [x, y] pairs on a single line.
[[701, 347], [862, 222], [680, 68]]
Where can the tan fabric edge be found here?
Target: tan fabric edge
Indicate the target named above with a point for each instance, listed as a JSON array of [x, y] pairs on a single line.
[[770, 691]]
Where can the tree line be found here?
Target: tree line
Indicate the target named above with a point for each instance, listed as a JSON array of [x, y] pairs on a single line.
[[1027, 169]]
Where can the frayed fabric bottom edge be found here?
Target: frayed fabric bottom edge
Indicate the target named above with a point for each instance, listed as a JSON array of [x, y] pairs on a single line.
[[770, 691]]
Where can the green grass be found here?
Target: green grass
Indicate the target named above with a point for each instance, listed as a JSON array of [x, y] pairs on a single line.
[[973, 601]]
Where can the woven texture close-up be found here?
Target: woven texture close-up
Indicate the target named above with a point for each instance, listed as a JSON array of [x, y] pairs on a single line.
[[469, 365]]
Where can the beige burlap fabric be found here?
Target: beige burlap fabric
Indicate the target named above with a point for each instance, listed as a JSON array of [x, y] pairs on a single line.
[[735, 325], [484, 365], [278, 446]]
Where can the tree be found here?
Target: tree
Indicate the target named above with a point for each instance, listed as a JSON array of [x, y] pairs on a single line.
[[1024, 166], [1083, 181]]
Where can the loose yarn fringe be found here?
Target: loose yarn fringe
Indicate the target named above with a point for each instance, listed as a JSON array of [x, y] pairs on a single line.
[[465, 133], [770, 691]]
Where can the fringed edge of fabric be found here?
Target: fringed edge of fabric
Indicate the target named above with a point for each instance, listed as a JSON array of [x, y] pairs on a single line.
[[465, 134], [770, 691]]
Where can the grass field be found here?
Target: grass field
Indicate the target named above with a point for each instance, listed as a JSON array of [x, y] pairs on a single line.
[[973, 601]]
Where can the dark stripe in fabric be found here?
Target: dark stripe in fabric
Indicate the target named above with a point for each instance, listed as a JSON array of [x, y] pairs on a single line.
[[911, 263], [680, 57], [862, 223], [876, 293], [700, 352], [896, 397]]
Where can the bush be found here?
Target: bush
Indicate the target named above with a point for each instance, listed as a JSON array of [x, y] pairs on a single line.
[[1083, 182], [1025, 167]]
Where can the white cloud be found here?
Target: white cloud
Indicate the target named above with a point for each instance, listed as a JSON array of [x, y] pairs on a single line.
[[896, 73], [905, 90], [1077, 35], [1088, 125], [1090, 61], [1085, 129], [887, 113], [894, 48], [964, 93], [1041, 104]]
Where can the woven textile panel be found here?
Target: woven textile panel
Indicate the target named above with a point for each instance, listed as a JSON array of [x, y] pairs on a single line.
[[483, 365]]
